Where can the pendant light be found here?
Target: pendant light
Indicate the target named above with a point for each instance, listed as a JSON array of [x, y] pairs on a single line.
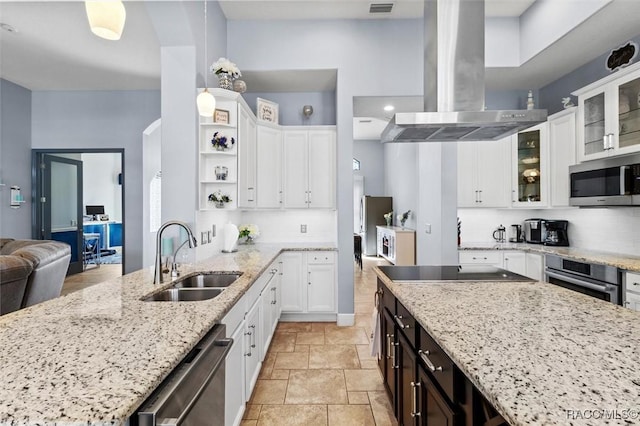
[[205, 100], [106, 18]]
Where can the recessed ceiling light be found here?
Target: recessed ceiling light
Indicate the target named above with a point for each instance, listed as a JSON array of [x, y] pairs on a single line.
[[389, 108], [8, 28]]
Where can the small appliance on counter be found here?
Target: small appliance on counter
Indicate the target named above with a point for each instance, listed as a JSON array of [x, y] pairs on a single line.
[[533, 231], [499, 234], [515, 234], [554, 233]]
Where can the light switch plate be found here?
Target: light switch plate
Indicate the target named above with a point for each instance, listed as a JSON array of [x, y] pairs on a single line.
[[203, 237], [213, 230], [303, 229], [208, 237], [427, 228]]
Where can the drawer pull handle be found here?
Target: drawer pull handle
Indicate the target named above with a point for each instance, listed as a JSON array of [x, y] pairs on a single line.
[[393, 356], [636, 283], [433, 368], [400, 323], [414, 402], [389, 345]]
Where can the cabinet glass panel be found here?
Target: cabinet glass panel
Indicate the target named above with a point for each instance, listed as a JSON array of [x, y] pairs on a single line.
[[529, 166], [594, 124], [629, 113]]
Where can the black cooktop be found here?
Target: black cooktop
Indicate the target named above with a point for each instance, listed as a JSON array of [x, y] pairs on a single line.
[[450, 273]]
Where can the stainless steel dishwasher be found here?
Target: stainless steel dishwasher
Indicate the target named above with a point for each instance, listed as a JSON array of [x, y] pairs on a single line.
[[193, 394]]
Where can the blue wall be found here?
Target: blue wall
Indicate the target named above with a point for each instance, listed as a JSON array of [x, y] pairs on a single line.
[[15, 158]]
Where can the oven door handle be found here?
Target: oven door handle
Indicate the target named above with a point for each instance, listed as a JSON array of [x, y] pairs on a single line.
[[592, 286]]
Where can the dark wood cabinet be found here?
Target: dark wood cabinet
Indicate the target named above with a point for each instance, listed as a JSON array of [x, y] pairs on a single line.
[[424, 384]]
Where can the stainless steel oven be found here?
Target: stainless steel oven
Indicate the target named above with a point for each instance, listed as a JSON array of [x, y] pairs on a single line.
[[193, 394], [599, 281]]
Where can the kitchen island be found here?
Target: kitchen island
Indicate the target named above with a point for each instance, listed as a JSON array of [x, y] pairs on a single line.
[[93, 356], [540, 354]]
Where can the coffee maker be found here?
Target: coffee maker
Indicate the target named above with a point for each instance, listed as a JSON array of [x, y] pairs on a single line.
[[554, 233], [515, 234]]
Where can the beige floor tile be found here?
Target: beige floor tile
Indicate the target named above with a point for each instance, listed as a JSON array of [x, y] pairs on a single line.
[[293, 327], [358, 398], [316, 387], [333, 356], [381, 408], [310, 338], [292, 360], [267, 365], [286, 415], [364, 352], [340, 415], [317, 327], [283, 342], [251, 412], [363, 380], [301, 348], [248, 423], [269, 392], [368, 364], [280, 375], [346, 335]]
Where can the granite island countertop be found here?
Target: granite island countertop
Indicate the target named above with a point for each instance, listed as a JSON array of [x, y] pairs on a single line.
[[622, 261], [539, 353], [93, 356]]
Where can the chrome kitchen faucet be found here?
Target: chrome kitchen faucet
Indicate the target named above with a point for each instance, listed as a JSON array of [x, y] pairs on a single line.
[[157, 276]]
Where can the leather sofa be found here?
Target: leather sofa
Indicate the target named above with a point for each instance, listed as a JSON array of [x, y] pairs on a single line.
[[31, 271]]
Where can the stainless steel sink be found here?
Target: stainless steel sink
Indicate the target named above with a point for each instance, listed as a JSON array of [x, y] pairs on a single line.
[[218, 279], [184, 295]]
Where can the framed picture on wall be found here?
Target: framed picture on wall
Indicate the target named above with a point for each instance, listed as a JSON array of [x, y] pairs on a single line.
[[221, 116], [267, 111]]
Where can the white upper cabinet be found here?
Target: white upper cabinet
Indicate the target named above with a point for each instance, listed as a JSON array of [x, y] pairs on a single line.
[[609, 115], [309, 168], [530, 174], [562, 154], [246, 158], [269, 168], [483, 173]]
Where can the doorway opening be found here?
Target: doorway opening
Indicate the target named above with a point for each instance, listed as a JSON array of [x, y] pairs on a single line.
[[80, 194]]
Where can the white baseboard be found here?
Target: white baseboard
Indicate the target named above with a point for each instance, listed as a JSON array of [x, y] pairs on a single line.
[[345, 320], [307, 317]]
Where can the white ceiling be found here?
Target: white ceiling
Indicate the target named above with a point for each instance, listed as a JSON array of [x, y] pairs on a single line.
[[54, 49]]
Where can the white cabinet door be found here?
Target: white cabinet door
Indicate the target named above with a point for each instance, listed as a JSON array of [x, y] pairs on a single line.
[[530, 170], [234, 395], [493, 173], [293, 282], [269, 168], [535, 266], [322, 169], [246, 159], [515, 261], [467, 185], [321, 285], [265, 319], [562, 154], [632, 301], [295, 156], [253, 343]]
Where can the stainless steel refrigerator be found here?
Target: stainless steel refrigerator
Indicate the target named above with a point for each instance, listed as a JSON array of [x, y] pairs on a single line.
[[372, 211]]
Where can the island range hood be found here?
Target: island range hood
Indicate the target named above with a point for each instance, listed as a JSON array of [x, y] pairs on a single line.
[[454, 82]]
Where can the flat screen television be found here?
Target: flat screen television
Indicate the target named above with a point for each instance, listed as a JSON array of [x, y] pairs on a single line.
[[95, 210]]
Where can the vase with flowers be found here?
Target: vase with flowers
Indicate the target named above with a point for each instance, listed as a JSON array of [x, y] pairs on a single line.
[[388, 217], [403, 217], [221, 142], [226, 71], [219, 199], [249, 233]]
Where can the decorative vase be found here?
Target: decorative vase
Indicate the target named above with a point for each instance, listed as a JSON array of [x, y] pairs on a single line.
[[230, 234], [225, 81], [240, 86], [388, 221], [219, 204], [220, 148], [249, 241]]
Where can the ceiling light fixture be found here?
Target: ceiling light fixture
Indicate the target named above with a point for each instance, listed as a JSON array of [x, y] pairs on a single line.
[[106, 18], [389, 108], [205, 100]]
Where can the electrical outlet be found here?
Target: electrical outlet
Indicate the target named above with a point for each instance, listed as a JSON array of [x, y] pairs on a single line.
[[213, 230], [303, 229], [427, 228], [208, 237], [203, 237]]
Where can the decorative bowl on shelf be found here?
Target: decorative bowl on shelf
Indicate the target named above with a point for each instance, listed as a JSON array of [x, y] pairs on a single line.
[[530, 160]]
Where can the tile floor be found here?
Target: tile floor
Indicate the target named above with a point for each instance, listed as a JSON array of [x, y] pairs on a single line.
[[322, 374], [90, 277]]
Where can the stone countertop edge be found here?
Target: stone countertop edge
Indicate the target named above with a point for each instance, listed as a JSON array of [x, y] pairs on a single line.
[[93, 357], [622, 261], [513, 381]]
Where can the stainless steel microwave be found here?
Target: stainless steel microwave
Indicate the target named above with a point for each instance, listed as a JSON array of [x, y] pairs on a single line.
[[607, 182]]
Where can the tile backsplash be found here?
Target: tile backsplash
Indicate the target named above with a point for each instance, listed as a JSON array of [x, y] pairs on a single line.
[[612, 229]]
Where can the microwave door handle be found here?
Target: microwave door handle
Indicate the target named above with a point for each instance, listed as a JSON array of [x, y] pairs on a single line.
[[580, 283], [625, 177]]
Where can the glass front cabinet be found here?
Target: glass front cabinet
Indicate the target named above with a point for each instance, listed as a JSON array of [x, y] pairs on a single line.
[[609, 116], [530, 167]]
